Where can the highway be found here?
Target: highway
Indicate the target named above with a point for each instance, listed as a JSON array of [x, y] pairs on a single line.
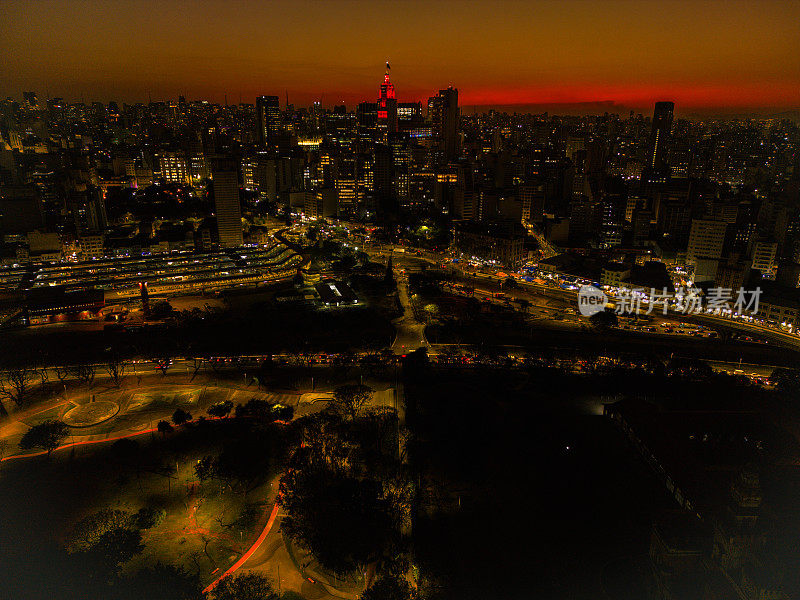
[[489, 278]]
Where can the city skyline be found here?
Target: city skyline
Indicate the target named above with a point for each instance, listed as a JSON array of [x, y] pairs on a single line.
[[399, 300], [627, 54]]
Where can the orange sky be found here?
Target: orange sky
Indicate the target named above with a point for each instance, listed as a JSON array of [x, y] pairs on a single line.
[[724, 54]]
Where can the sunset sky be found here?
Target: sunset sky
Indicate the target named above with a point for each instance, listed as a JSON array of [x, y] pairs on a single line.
[[699, 54]]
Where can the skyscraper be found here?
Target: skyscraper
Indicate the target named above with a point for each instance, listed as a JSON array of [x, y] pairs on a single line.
[[268, 117], [659, 135], [444, 115], [227, 207], [387, 108]]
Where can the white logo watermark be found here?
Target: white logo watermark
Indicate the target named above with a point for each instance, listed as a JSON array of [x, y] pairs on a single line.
[[591, 300]]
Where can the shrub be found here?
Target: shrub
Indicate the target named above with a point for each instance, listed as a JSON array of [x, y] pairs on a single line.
[[148, 517]]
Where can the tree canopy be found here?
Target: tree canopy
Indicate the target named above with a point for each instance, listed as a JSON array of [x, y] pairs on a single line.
[[341, 519], [350, 400], [247, 586], [47, 436]]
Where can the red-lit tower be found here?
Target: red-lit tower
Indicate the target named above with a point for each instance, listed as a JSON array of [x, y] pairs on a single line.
[[387, 108]]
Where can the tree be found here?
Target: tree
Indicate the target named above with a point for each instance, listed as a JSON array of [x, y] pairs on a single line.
[[342, 520], [244, 460], [62, 372], [163, 362], [221, 409], [164, 428], [16, 384], [205, 468], [117, 546], [604, 319], [115, 368], [160, 310], [180, 416], [349, 400], [88, 531], [786, 380], [84, 373], [264, 411], [247, 586], [388, 587], [42, 370], [47, 435], [148, 517], [431, 311], [197, 364]]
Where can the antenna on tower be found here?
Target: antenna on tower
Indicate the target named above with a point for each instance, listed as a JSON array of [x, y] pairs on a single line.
[[287, 99]]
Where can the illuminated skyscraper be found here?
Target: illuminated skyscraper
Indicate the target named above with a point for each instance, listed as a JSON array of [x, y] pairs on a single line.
[[444, 116], [227, 207], [387, 108], [366, 120], [659, 135], [268, 117], [346, 185]]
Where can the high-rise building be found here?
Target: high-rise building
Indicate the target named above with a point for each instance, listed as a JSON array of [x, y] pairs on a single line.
[[366, 120], [444, 116], [764, 254], [96, 218], [268, 118], [320, 204], [174, 168], [227, 207], [346, 184], [387, 108], [532, 197], [612, 217], [659, 135], [383, 176], [706, 240], [409, 116]]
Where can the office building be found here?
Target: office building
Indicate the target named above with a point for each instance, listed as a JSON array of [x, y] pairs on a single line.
[[227, 207], [659, 135], [320, 204], [706, 239], [387, 109], [764, 255], [268, 120], [444, 117]]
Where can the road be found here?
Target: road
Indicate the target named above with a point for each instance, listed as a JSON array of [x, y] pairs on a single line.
[[410, 332], [543, 295]]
